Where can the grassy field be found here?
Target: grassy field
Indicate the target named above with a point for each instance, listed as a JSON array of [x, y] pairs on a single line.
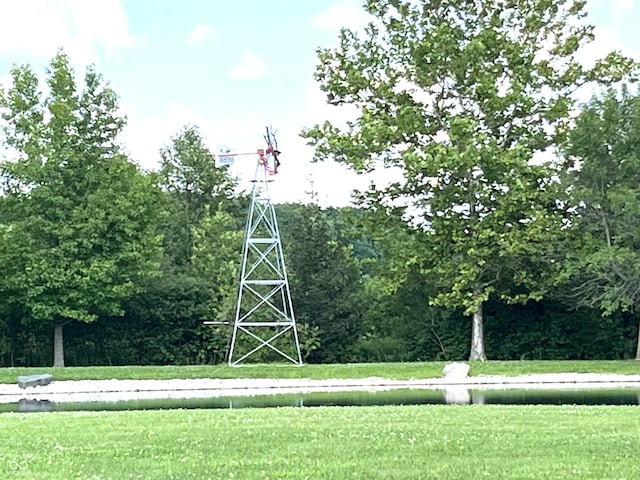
[[425, 442], [399, 371]]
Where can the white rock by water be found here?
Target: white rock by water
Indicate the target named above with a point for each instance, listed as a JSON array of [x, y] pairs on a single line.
[[455, 371], [456, 396]]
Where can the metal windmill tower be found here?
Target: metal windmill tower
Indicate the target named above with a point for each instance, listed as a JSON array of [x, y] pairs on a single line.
[[264, 317]]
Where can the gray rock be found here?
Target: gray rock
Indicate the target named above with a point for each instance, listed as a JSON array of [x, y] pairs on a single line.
[[25, 381], [455, 370]]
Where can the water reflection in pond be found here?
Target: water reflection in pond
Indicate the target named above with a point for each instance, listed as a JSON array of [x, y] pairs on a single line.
[[458, 396]]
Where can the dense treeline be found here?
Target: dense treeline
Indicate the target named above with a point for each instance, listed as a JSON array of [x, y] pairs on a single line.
[[365, 322], [104, 263]]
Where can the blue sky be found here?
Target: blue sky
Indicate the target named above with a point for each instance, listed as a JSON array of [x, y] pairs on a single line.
[[230, 67]]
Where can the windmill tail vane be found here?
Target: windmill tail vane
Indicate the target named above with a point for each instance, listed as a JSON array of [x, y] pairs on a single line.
[[267, 157]]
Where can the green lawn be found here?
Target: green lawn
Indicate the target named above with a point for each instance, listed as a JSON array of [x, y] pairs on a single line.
[[399, 371], [423, 442]]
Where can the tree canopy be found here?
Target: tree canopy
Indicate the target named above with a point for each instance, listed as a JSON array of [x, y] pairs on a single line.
[[461, 98], [80, 228]]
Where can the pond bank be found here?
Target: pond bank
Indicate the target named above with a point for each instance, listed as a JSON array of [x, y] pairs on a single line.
[[117, 390]]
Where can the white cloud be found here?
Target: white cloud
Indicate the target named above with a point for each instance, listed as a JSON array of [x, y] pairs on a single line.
[[613, 5], [624, 4], [200, 33], [249, 67], [333, 182], [317, 109], [39, 27], [347, 14], [144, 136], [605, 41], [103, 23], [5, 81]]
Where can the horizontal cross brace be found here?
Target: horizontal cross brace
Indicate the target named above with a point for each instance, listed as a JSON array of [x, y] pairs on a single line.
[[262, 240], [264, 324], [263, 282]]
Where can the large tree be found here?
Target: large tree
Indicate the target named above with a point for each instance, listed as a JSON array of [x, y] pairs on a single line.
[[80, 219], [195, 188], [603, 160], [459, 97], [203, 234]]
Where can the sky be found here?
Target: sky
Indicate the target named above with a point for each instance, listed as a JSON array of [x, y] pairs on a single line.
[[231, 68]]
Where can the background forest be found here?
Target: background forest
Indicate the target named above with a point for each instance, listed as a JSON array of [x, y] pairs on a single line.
[[493, 255]]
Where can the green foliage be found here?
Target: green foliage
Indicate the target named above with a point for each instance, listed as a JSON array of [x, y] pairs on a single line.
[[161, 326], [195, 188], [203, 236], [604, 149], [603, 154], [550, 330], [399, 322], [217, 245], [459, 97], [80, 222], [325, 281]]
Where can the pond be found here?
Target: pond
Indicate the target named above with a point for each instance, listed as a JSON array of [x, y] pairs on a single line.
[[573, 396]]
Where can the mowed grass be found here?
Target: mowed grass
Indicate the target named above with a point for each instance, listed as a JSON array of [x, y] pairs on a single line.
[[417, 442], [398, 371]]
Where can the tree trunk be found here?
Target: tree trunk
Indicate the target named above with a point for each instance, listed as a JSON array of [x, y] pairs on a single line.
[[58, 346], [477, 337], [638, 343]]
